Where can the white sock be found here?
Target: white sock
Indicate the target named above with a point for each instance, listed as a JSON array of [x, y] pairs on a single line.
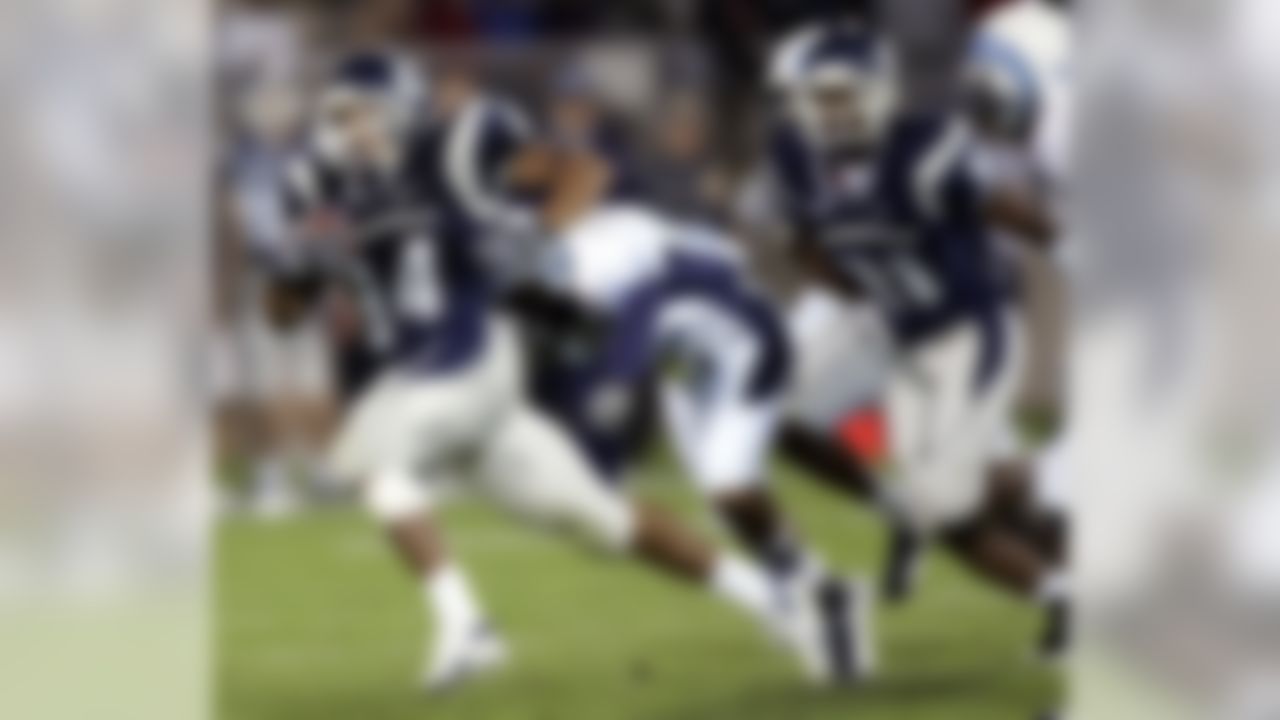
[[1052, 589], [270, 475], [451, 600], [744, 585]]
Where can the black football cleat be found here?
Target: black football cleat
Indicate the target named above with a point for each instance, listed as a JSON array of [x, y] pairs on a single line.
[[847, 616], [1055, 639], [902, 564]]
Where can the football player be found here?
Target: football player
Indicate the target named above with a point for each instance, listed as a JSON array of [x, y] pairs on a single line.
[[884, 209], [1014, 92], [681, 313], [1018, 86]]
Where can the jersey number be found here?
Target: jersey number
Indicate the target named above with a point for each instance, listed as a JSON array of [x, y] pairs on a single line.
[[900, 281], [419, 297]]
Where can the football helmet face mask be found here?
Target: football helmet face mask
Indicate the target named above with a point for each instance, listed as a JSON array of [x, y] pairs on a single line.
[[367, 110], [1000, 90], [841, 90]]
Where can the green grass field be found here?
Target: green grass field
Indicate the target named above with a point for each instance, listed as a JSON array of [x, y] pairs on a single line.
[[316, 622]]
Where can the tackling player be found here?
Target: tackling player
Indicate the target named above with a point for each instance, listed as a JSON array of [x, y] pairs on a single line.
[[680, 311]]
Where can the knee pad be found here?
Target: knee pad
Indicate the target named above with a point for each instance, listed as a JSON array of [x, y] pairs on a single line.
[[609, 524], [392, 496]]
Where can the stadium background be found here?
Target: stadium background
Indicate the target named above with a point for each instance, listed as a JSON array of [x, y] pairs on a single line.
[[313, 619]]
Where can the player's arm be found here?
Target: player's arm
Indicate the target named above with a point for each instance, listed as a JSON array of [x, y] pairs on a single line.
[[816, 265], [786, 201], [571, 180], [1020, 214]]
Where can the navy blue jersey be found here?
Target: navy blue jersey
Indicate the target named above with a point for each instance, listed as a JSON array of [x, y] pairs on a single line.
[[413, 257], [642, 336], [904, 225], [639, 343]]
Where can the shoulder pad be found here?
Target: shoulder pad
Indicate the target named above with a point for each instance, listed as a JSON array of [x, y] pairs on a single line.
[[925, 153]]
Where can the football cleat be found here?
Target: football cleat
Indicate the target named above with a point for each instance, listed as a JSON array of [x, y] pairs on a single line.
[[1055, 639], [846, 612], [461, 656], [902, 565], [828, 626]]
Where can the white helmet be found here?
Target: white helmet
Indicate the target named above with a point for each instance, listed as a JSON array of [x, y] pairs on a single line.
[[1002, 90], [839, 84], [368, 107], [1018, 67]]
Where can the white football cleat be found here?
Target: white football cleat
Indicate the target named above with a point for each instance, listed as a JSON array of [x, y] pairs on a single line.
[[459, 656], [827, 624], [799, 629], [273, 495]]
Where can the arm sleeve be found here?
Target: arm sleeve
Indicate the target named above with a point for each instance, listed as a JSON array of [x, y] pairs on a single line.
[[483, 142]]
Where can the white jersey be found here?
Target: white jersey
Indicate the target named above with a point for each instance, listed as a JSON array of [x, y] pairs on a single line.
[[1027, 43], [616, 250], [1036, 36]]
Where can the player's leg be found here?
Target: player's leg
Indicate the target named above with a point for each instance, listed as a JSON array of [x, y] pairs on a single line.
[[1006, 558], [1024, 503], [943, 432], [401, 424], [829, 462], [833, 431], [464, 642], [724, 442], [1014, 502], [1024, 479], [723, 451], [272, 483], [842, 356], [1026, 499], [938, 450], [530, 468], [954, 517]]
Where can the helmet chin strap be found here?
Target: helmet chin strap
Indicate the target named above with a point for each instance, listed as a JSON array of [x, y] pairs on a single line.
[[383, 154]]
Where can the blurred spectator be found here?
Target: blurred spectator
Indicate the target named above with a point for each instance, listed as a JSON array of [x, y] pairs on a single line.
[[579, 117], [274, 383], [512, 21], [448, 20], [258, 41], [680, 173], [561, 18]]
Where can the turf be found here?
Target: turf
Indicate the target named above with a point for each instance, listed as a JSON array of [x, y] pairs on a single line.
[[315, 622]]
